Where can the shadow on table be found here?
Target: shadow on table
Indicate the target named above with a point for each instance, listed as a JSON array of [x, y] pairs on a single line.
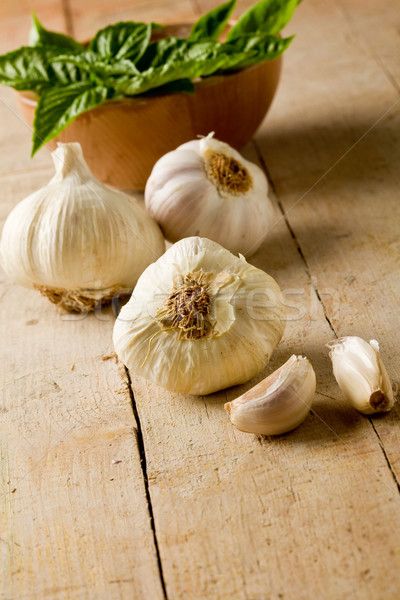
[[343, 153]]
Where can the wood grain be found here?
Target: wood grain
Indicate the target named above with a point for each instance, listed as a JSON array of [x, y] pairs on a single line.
[[74, 523], [341, 196], [260, 518], [312, 514], [92, 15], [300, 516]]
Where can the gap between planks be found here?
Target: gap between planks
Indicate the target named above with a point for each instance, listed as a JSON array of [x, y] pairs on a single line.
[[143, 463], [318, 295], [67, 14]]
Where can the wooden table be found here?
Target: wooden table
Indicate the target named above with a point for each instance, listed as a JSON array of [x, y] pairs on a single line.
[[115, 489]]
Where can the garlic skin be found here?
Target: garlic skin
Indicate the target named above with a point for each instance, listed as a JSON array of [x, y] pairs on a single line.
[[361, 374], [76, 240], [278, 403], [206, 188], [200, 319]]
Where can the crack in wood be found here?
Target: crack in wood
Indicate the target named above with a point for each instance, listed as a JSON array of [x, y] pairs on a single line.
[[143, 463], [297, 244], [385, 455], [315, 288]]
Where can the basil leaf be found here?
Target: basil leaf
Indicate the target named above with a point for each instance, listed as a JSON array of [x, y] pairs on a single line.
[[188, 60], [159, 52], [99, 71], [36, 69], [213, 23], [126, 40], [268, 16], [57, 107], [39, 36], [251, 49]]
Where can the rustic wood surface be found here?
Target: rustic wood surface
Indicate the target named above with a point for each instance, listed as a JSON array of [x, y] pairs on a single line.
[[112, 488]]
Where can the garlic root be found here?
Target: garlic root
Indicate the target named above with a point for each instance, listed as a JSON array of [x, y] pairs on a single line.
[[79, 301]]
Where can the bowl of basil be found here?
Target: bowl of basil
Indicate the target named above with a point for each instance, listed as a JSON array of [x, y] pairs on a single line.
[[136, 91]]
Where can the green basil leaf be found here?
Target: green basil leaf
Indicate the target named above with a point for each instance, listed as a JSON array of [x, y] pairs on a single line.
[[268, 16], [159, 52], [126, 40], [213, 23], [188, 60], [36, 69], [100, 72], [57, 107], [39, 36], [249, 50]]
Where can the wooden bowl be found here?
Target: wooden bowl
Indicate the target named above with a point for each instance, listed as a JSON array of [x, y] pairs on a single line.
[[122, 139]]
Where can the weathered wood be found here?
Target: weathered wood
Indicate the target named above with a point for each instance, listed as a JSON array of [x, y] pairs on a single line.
[[313, 514], [74, 523], [285, 516], [92, 15], [340, 193], [15, 19]]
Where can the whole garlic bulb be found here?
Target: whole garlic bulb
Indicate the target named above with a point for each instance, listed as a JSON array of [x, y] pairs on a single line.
[[206, 188], [76, 240], [200, 319], [277, 404]]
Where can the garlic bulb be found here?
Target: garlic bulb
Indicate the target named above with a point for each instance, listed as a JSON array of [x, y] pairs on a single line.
[[277, 404], [76, 240], [207, 188], [361, 374], [200, 319]]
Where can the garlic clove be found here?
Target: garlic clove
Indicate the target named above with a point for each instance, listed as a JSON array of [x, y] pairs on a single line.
[[361, 374], [277, 404]]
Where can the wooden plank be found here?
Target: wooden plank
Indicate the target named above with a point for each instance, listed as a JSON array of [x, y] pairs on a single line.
[[92, 15], [314, 513], [340, 192], [376, 30], [16, 139], [15, 18], [74, 523], [270, 518], [311, 514]]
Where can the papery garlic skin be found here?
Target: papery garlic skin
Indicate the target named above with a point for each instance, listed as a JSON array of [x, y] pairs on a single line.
[[206, 188], [77, 240], [361, 374], [244, 323], [278, 403]]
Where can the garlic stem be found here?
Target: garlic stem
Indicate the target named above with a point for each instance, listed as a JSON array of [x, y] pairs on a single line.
[[68, 160]]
